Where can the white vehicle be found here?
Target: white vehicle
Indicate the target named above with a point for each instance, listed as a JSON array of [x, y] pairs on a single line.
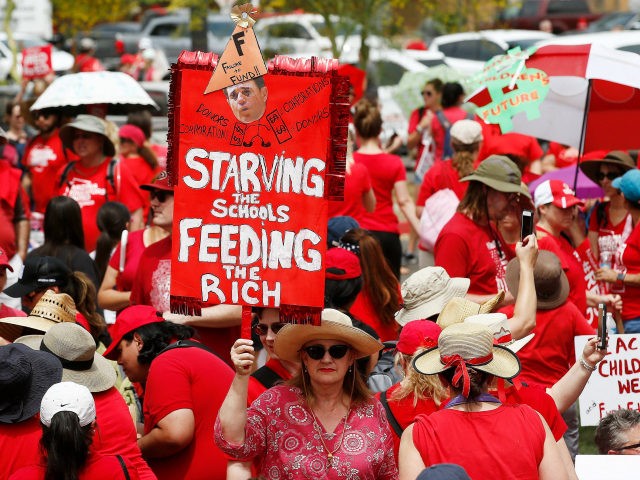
[[61, 61], [306, 33], [628, 40], [468, 52]]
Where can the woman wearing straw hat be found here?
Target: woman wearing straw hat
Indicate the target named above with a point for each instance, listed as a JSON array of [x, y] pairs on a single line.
[[323, 423], [94, 179], [490, 440]]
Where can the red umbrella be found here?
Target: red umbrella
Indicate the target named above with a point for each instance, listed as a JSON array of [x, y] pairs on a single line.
[[593, 101]]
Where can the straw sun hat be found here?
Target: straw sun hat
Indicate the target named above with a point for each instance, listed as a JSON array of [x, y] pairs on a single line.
[[51, 309], [334, 325], [457, 309], [473, 344]]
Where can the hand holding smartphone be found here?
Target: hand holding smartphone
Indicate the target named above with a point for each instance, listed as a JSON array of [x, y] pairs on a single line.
[[602, 327], [526, 224]]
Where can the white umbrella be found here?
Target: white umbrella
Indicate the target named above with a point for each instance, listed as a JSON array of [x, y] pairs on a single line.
[[75, 91]]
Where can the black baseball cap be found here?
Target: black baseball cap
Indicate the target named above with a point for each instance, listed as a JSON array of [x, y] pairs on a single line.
[[39, 273]]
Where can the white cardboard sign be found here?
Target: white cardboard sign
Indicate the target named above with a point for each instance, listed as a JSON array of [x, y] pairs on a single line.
[[616, 382]]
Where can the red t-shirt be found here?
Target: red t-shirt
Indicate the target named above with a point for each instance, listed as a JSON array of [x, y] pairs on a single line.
[[453, 114], [550, 354], [161, 154], [142, 173], [6, 311], [385, 170], [496, 143], [152, 287], [560, 152], [135, 247], [501, 444], [91, 189], [414, 119], [97, 468], [356, 184], [571, 264], [44, 158], [116, 433], [442, 175], [12, 196], [19, 445], [466, 249], [194, 379], [630, 259], [363, 310]]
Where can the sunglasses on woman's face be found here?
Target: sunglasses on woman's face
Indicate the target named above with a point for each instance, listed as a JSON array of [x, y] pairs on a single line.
[[263, 328], [316, 352], [428, 93], [610, 175], [161, 195]]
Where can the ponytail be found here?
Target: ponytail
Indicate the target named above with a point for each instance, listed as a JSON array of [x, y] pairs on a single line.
[[148, 156], [65, 446], [83, 292]]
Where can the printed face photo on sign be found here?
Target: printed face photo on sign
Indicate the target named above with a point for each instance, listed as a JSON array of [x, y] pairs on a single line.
[[248, 100]]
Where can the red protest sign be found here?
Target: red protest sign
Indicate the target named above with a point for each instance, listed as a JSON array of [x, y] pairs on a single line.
[[253, 166], [36, 62]]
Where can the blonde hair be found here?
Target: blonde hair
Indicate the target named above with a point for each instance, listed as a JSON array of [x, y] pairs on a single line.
[[420, 386]]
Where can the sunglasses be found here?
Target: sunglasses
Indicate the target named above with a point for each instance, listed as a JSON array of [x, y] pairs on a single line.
[[263, 328], [316, 352], [629, 447], [611, 176], [161, 195], [82, 135], [428, 93]]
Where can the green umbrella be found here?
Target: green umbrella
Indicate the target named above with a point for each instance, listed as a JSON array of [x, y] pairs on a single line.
[[407, 92]]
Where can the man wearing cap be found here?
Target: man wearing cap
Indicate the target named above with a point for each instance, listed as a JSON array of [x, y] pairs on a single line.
[[469, 245], [626, 276], [94, 179], [184, 387], [153, 279]]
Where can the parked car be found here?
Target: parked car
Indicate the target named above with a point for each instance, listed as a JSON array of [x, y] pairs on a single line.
[[628, 41], [468, 52], [563, 14], [170, 33], [61, 61], [612, 21], [306, 33]]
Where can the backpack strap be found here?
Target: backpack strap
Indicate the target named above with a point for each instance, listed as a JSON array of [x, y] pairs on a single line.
[[111, 176], [390, 416], [65, 174], [124, 467], [266, 376], [187, 344], [446, 125]]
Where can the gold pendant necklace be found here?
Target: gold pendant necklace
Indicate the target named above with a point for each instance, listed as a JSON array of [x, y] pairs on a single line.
[[324, 445]]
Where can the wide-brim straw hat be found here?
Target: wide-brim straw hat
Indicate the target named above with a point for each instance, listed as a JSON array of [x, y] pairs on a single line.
[[616, 158], [334, 325], [76, 350], [470, 341], [426, 292], [457, 309], [551, 283], [87, 123], [51, 309]]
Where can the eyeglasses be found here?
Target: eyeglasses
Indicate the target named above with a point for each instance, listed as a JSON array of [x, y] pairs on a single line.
[[161, 195], [82, 135], [610, 175], [263, 328], [635, 446], [428, 93], [316, 352]]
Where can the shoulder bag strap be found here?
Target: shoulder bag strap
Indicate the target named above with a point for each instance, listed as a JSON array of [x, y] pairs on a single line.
[[390, 416], [124, 467]]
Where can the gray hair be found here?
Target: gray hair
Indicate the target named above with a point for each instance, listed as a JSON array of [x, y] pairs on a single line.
[[612, 429]]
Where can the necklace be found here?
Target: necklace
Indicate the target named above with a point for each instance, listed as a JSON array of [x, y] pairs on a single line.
[[318, 428]]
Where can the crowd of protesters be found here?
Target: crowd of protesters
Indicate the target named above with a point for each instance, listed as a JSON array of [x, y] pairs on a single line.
[[98, 378]]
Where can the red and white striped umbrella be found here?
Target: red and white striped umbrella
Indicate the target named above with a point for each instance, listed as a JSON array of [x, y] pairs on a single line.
[[593, 102]]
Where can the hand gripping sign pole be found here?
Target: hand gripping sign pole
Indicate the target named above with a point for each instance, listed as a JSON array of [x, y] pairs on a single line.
[[254, 160]]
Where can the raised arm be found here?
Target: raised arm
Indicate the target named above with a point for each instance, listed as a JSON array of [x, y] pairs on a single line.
[[524, 313]]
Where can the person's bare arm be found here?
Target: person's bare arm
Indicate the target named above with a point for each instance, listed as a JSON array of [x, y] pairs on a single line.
[[108, 296], [410, 462], [137, 222], [406, 204], [369, 200], [567, 390], [551, 467], [218, 316], [593, 242], [524, 313], [23, 230], [566, 459], [238, 470], [172, 434]]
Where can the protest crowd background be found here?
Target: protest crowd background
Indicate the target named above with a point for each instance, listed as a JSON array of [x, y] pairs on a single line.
[[451, 342]]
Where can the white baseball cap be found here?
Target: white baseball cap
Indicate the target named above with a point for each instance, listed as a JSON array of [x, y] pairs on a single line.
[[68, 397]]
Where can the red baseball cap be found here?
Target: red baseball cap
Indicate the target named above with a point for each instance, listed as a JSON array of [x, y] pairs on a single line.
[[4, 260], [418, 334], [133, 133], [161, 182], [341, 264], [129, 320], [556, 192]]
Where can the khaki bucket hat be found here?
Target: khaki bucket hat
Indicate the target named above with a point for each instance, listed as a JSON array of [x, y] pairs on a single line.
[[87, 123], [499, 173]]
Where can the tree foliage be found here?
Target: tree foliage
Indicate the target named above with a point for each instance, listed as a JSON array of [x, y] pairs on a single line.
[[73, 16]]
